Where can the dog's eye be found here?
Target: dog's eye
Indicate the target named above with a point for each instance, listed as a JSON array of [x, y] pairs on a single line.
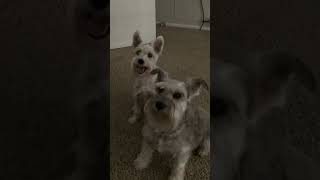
[[177, 95], [150, 55], [138, 52], [160, 89]]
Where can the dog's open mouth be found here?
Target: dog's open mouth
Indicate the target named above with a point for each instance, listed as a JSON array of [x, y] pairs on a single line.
[[141, 69]]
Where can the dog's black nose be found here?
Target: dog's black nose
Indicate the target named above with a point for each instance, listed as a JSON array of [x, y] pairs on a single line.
[[160, 105], [140, 61]]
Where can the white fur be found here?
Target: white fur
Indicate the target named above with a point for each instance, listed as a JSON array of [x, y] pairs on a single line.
[[145, 79]]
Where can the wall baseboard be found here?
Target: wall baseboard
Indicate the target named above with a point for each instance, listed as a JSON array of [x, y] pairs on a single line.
[[186, 26], [119, 45]]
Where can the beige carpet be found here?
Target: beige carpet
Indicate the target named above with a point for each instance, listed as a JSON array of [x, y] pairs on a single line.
[[186, 54]]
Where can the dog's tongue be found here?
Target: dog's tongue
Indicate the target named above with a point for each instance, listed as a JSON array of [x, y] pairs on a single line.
[[141, 70]]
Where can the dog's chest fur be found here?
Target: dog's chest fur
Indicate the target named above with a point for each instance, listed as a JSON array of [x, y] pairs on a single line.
[[142, 81], [188, 135]]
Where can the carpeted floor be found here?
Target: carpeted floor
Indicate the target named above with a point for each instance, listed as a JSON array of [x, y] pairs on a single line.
[[186, 54]]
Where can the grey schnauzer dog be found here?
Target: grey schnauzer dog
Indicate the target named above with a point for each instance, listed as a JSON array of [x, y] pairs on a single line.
[[172, 124], [244, 90], [144, 61]]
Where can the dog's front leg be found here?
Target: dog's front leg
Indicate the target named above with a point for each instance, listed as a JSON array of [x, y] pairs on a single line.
[[178, 171], [135, 112], [204, 148], [145, 156]]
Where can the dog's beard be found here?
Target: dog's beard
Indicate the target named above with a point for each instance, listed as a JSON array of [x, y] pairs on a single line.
[[161, 120]]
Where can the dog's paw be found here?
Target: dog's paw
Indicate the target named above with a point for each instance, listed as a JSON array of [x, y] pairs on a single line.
[[132, 119], [177, 174], [203, 152], [175, 177], [140, 163]]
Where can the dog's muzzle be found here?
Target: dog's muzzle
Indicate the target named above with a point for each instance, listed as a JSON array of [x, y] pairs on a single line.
[[140, 69], [161, 104], [140, 61]]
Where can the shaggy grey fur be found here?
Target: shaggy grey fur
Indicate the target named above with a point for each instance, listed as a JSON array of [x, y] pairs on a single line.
[[173, 124], [243, 92]]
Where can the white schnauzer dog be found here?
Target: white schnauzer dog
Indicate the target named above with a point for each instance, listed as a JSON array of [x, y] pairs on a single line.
[[244, 90], [144, 61], [172, 124]]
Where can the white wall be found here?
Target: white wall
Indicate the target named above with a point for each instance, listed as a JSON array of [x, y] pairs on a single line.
[[185, 13], [127, 16]]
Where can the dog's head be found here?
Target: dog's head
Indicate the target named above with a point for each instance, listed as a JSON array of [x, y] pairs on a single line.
[[243, 91], [257, 84], [166, 106], [145, 55], [229, 93]]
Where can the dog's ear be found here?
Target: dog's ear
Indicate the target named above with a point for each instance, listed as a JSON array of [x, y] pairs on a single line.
[[158, 44], [275, 68], [271, 74], [194, 86], [136, 40], [162, 75]]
